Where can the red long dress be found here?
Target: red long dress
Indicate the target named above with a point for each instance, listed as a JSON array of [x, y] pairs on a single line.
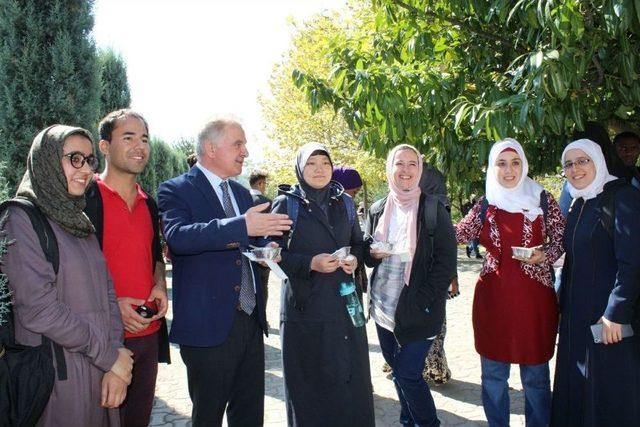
[[515, 317]]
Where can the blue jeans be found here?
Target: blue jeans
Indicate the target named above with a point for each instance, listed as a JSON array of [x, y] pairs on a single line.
[[407, 363], [495, 393], [473, 246]]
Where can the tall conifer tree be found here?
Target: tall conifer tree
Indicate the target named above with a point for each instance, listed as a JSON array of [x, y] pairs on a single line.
[[115, 86], [48, 73]]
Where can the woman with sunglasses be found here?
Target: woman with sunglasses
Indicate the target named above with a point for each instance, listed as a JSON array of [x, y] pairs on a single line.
[[515, 316], [76, 308], [597, 379]]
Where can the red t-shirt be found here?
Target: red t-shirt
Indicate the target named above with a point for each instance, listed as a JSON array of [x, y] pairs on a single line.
[[127, 246]]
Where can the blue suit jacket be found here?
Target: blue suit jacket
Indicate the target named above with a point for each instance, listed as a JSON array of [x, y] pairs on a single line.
[[205, 250]]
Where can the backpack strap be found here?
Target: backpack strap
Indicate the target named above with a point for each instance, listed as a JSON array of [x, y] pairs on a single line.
[[49, 245], [156, 245], [544, 205], [41, 226], [430, 212], [350, 206], [93, 208], [293, 206], [607, 206]]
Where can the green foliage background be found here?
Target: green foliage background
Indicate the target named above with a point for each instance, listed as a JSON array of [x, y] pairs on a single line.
[[291, 122], [50, 72], [452, 77], [115, 92]]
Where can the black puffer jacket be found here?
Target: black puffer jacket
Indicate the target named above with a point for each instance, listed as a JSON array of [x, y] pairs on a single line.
[[421, 307]]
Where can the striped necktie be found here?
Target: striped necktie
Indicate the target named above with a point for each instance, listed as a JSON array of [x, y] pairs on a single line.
[[247, 296]]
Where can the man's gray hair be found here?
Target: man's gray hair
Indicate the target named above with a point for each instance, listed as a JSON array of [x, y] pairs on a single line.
[[212, 131]]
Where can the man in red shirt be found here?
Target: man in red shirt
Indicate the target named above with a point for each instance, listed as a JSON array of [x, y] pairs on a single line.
[[126, 221]]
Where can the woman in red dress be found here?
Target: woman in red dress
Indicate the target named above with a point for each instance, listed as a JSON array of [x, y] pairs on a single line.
[[515, 314]]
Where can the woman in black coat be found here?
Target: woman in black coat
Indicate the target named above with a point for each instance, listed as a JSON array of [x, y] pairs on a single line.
[[598, 384], [325, 357], [408, 286]]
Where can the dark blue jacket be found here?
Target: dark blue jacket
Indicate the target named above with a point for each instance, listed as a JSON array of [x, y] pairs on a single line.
[[597, 384], [205, 249]]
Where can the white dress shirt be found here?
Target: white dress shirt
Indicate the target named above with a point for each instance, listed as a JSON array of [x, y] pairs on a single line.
[[215, 182]]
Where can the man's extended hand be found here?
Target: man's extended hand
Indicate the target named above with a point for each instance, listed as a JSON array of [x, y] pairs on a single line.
[[265, 224]]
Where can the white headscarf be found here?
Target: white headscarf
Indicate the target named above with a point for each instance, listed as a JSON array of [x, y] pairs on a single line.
[[594, 152], [524, 198]]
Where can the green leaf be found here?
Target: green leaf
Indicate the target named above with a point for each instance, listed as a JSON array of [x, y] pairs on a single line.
[[624, 112], [460, 115], [552, 54], [524, 113]]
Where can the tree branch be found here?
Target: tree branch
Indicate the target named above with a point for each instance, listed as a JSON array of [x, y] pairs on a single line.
[[595, 61], [428, 14]]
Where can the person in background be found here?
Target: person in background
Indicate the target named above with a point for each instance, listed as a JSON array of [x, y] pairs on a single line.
[[407, 293], [598, 384], [436, 367], [258, 183], [349, 178], [192, 159], [473, 245], [325, 356], [627, 146], [127, 227], [76, 308], [515, 314], [352, 184]]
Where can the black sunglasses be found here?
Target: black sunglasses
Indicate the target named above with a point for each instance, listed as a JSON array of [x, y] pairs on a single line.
[[78, 160]]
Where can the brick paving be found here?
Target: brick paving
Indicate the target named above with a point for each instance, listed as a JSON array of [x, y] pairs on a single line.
[[458, 402]]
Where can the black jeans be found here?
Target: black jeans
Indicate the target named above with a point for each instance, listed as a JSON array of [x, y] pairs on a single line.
[[228, 376]]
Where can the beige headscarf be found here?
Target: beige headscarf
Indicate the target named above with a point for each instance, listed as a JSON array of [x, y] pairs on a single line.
[[45, 184]]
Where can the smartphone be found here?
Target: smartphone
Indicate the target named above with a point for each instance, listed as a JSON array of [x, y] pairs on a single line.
[[596, 331], [146, 312]]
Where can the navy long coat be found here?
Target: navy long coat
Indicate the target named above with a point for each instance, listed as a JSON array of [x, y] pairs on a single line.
[[325, 358], [597, 384]]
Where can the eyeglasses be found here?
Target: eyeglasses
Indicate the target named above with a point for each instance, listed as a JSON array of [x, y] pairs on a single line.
[[78, 160], [582, 162]]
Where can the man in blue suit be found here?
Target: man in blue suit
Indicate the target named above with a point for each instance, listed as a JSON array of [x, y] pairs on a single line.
[[218, 311]]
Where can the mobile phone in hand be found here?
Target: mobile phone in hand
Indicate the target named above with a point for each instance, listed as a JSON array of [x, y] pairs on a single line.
[[145, 311], [596, 331]]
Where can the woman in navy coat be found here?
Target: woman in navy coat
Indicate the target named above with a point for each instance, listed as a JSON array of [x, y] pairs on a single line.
[[598, 384], [325, 357]]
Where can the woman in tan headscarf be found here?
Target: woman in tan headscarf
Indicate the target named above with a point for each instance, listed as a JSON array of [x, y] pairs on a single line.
[[76, 308]]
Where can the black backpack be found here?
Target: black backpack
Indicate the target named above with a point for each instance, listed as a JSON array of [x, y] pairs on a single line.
[[607, 205], [434, 187], [27, 374], [293, 206]]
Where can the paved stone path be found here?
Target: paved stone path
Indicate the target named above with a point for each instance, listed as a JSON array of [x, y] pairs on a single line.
[[458, 402]]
